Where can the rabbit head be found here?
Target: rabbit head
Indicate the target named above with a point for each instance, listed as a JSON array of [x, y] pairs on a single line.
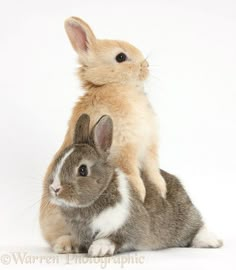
[[82, 173], [105, 61]]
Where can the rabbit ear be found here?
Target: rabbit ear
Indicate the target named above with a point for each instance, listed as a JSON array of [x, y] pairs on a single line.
[[81, 133], [80, 34], [102, 134]]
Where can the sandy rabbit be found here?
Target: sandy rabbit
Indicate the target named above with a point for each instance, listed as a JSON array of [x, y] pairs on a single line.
[[112, 74]]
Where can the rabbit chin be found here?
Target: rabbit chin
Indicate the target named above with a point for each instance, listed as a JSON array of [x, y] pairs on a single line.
[[64, 203]]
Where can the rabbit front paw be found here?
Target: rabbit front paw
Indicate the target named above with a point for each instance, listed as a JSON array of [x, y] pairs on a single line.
[[64, 244], [101, 248]]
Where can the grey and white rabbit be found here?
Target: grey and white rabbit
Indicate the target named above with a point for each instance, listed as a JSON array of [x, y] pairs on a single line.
[[105, 212]]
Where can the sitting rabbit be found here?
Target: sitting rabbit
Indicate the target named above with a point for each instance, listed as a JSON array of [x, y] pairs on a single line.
[[104, 210]]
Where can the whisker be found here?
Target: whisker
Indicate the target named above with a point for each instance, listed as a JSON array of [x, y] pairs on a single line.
[[29, 207], [148, 55], [154, 66], [44, 206], [154, 76]]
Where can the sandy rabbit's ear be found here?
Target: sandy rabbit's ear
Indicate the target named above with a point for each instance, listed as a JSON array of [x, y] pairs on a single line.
[[102, 134], [80, 34], [81, 133]]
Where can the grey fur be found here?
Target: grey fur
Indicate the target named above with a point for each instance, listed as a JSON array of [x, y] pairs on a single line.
[[155, 224]]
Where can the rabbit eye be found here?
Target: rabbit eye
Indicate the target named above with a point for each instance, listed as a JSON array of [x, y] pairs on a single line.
[[121, 57], [83, 170]]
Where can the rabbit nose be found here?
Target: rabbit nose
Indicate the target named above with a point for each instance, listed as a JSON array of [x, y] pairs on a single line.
[[56, 189]]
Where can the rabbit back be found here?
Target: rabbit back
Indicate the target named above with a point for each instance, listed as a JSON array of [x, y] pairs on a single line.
[[175, 221]]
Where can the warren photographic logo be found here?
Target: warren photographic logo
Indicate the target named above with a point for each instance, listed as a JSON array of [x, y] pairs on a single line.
[[24, 258]]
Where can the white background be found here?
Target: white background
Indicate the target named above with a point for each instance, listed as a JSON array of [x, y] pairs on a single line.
[[191, 48]]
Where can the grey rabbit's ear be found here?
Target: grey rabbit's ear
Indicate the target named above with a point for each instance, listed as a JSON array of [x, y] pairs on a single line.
[[102, 134], [81, 133]]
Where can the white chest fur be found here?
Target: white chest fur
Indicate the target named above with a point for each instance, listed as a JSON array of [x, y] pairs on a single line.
[[113, 218]]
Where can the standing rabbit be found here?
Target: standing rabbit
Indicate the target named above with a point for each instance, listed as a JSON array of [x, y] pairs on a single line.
[[112, 74], [103, 210]]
